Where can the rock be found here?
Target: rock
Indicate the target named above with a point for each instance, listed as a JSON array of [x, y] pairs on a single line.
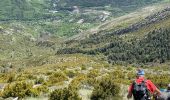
[[80, 21], [15, 98], [37, 85]]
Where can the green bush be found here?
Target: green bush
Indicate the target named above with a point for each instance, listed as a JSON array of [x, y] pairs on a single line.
[[57, 77], [131, 75], [105, 89], [118, 74], [76, 82], [19, 89], [39, 80], [10, 77], [129, 68], [64, 94], [70, 73], [33, 92], [24, 76], [91, 81], [93, 73], [42, 89], [83, 67]]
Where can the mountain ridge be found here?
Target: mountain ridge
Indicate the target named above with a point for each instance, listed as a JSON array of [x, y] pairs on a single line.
[[115, 38], [115, 23]]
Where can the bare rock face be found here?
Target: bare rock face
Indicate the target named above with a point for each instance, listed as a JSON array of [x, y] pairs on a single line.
[[76, 10]]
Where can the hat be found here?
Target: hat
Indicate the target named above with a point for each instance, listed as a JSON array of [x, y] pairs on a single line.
[[140, 72]]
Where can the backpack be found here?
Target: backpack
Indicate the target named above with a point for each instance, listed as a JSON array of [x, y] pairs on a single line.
[[140, 91]]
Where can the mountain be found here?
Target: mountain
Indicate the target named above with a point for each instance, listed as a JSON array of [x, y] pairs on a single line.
[[46, 9], [141, 42], [64, 18], [81, 49], [49, 34], [19, 47]]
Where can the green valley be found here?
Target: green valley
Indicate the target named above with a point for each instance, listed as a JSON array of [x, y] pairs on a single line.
[[81, 49]]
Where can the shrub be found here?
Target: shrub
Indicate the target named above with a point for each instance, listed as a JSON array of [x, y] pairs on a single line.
[[10, 78], [64, 94], [105, 89], [129, 68], [42, 89], [76, 82], [118, 74], [39, 80], [19, 89], [24, 76], [83, 67], [131, 75], [57, 77], [93, 73], [33, 92], [91, 81], [70, 73]]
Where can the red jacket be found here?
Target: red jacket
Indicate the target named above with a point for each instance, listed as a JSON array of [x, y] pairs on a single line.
[[150, 86]]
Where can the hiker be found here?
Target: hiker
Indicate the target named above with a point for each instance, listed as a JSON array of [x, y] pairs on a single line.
[[165, 94], [168, 89], [142, 88], [168, 92]]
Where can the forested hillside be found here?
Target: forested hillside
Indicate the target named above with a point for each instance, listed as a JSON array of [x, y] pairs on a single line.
[[117, 3], [154, 47], [143, 42], [23, 9]]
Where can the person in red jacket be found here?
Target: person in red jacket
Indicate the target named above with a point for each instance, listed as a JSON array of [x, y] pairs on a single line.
[[168, 89], [142, 84]]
